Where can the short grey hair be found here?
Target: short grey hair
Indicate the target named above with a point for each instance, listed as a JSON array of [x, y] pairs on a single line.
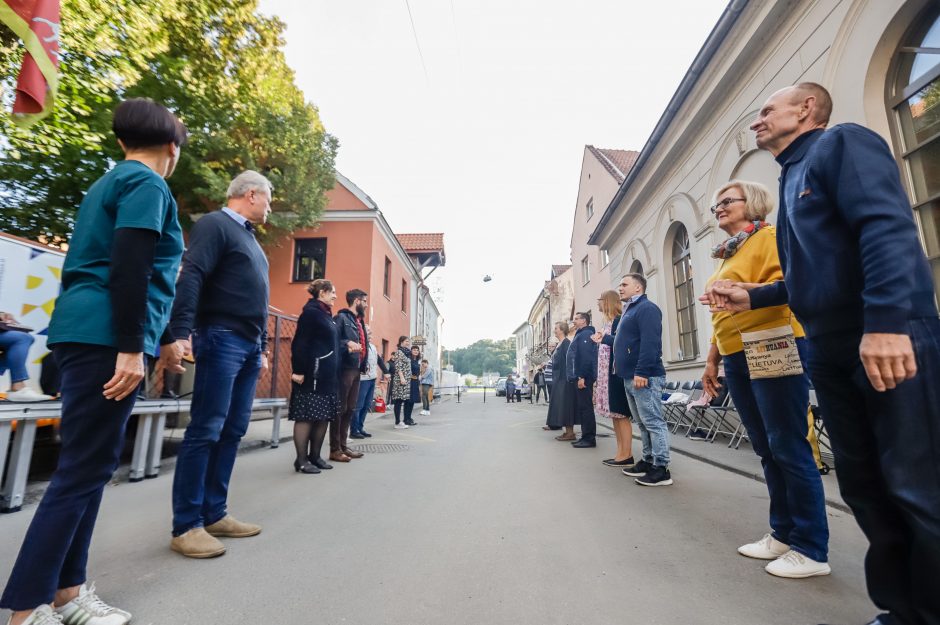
[[249, 180]]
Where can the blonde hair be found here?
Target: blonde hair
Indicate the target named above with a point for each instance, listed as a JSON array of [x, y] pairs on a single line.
[[610, 305], [759, 200]]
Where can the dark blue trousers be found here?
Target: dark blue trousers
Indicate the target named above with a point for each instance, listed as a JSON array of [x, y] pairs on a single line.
[[887, 456], [55, 551], [227, 367], [774, 413]]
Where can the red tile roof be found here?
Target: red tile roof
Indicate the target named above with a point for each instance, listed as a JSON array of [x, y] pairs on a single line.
[[617, 162], [422, 242], [557, 270]]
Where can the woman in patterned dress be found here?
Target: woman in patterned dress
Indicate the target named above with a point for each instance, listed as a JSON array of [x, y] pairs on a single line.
[[314, 399], [401, 377], [610, 398]]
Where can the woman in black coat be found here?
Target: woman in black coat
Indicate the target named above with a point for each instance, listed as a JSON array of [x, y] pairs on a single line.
[[561, 406], [314, 399]]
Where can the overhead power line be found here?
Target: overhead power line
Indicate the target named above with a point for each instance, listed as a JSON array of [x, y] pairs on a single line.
[[417, 43]]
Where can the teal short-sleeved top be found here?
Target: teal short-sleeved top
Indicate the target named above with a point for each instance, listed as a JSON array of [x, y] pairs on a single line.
[[131, 195]]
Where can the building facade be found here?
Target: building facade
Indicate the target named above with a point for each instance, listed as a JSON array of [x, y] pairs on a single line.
[[602, 172], [426, 251], [880, 61], [523, 336]]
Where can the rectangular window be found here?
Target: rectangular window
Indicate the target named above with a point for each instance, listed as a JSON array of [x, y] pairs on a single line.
[[387, 283], [605, 258], [589, 208], [404, 296], [585, 270], [309, 259], [385, 350]]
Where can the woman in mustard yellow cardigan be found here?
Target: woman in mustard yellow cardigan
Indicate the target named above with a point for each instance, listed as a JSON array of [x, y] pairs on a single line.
[[772, 409]]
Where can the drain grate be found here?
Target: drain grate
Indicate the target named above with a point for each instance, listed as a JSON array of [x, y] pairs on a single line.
[[379, 448]]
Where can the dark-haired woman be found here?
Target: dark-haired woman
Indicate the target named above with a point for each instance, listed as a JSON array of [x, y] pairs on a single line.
[[414, 381], [118, 283], [314, 399], [561, 406], [401, 383]]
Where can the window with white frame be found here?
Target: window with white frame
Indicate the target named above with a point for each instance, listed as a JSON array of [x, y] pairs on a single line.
[[687, 348], [589, 208], [915, 106], [585, 270], [605, 258]]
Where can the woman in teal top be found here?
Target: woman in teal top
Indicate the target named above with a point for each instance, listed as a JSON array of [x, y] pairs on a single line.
[[118, 283]]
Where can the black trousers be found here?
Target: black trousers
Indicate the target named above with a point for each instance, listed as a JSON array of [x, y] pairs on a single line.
[[539, 389], [348, 398], [584, 411], [409, 407], [887, 457]]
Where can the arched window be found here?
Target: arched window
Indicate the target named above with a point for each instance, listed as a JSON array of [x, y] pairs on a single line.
[[914, 102], [637, 267], [685, 294]]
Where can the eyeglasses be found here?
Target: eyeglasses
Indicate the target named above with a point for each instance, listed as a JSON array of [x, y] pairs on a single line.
[[725, 203]]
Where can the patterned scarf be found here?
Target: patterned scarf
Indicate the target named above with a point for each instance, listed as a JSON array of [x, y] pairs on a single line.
[[730, 247]]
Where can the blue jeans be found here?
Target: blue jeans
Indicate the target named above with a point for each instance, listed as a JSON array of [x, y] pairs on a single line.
[[15, 348], [366, 393], [887, 456], [773, 411], [647, 409], [227, 367], [54, 553]]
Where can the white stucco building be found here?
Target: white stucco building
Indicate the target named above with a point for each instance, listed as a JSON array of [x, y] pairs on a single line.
[[880, 59]]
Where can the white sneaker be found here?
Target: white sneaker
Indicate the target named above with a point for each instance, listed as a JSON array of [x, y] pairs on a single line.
[[401, 426], [88, 609], [767, 548], [26, 394], [795, 565], [43, 615]]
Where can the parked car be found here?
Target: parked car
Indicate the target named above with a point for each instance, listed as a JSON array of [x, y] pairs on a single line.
[[501, 387]]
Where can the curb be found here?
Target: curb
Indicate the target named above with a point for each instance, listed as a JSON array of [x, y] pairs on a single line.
[[757, 477]]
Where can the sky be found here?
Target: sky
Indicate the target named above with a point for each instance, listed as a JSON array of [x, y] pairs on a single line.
[[470, 117]]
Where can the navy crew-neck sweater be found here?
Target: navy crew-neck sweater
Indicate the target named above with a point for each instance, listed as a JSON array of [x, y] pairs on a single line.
[[846, 236], [224, 281]]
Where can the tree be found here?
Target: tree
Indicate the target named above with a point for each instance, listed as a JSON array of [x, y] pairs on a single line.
[[217, 63], [485, 355]]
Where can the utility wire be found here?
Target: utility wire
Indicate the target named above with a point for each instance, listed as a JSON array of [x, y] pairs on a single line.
[[417, 43]]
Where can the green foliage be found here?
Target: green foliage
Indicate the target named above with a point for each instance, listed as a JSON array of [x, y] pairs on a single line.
[[485, 355], [217, 63]]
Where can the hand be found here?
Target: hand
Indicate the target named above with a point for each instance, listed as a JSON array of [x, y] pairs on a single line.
[[888, 359], [264, 362], [597, 337], [353, 346], [171, 358], [710, 380], [6, 317], [186, 346], [128, 372], [639, 382], [581, 383], [726, 296], [297, 378]]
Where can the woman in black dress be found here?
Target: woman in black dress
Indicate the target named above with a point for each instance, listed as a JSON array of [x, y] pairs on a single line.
[[561, 408], [415, 383], [314, 399]]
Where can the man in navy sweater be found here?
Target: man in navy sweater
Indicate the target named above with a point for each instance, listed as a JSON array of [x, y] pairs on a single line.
[[638, 359], [856, 277], [582, 369], [222, 301]]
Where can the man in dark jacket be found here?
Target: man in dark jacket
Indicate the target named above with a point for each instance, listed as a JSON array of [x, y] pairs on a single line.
[[582, 368], [856, 277], [638, 359], [540, 385], [353, 339], [222, 301]]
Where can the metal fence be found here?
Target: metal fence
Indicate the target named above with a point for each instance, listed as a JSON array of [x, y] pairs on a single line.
[[275, 380]]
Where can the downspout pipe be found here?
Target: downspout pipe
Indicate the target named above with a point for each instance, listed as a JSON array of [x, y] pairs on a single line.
[[717, 37]]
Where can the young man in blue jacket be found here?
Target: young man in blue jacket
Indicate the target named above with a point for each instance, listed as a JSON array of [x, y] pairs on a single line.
[[582, 369], [638, 359], [856, 277]]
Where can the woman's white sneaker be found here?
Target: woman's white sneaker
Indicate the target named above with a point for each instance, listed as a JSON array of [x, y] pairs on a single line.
[[401, 426], [795, 565], [88, 609], [43, 615], [767, 548]]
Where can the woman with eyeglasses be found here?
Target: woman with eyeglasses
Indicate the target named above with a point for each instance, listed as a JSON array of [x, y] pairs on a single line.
[[772, 409]]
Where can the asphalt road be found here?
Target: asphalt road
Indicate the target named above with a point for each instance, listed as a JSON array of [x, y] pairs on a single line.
[[482, 518]]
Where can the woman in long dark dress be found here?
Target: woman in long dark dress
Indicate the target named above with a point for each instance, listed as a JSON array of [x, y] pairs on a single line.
[[561, 408], [415, 384], [314, 400]]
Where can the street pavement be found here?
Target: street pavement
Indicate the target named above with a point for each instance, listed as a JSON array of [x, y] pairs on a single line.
[[475, 516]]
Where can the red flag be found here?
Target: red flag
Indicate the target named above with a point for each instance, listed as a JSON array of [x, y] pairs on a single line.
[[36, 22]]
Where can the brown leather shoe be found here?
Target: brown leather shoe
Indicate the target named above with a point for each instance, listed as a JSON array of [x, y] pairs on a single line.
[[197, 543], [230, 527], [565, 437], [338, 456], [353, 454]]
